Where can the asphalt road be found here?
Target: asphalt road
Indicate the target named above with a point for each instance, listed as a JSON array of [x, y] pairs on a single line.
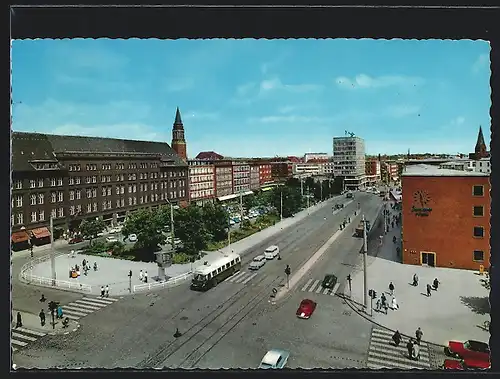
[[231, 325]]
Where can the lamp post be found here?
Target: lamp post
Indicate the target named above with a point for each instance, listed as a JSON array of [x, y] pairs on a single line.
[[365, 250], [229, 232], [52, 253], [171, 224], [281, 206]]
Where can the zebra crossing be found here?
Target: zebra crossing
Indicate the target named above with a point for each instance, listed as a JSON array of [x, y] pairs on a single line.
[[83, 307], [382, 353], [242, 277], [314, 286], [20, 337]]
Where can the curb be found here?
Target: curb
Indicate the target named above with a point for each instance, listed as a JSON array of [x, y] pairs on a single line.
[[65, 333]]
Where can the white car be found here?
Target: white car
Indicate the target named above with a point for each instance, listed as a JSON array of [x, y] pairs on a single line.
[[111, 239], [257, 262], [272, 252], [132, 238]]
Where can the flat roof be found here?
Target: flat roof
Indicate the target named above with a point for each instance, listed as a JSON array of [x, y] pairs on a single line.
[[429, 170]]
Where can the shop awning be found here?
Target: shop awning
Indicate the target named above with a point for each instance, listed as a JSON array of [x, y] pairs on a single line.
[[41, 232], [267, 188], [247, 193], [227, 197], [20, 236]]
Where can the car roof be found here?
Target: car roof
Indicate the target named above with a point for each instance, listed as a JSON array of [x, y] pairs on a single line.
[[272, 247], [272, 356], [306, 301], [328, 276], [260, 256]]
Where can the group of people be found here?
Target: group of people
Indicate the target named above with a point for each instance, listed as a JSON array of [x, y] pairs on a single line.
[[105, 291], [143, 276], [429, 288], [413, 344], [74, 272], [382, 303]]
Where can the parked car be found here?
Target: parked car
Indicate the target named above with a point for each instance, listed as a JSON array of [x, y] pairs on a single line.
[[231, 222], [257, 262], [329, 281], [466, 364], [470, 349], [76, 239], [272, 252], [110, 239], [132, 238], [274, 359], [306, 309]]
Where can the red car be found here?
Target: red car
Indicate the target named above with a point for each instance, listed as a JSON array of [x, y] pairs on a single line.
[[74, 240], [306, 309], [466, 364], [470, 349]]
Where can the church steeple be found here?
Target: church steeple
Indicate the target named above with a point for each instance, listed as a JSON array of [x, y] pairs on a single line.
[[480, 149], [178, 138]]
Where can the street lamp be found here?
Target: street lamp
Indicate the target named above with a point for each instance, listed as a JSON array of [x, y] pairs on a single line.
[[281, 205], [171, 224], [52, 253]]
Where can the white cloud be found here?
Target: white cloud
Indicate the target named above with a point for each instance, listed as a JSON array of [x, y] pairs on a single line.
[[364, 81], [200, 115], [399, 111], [286, 109], [458, 121], [277, 84], [481, 62]]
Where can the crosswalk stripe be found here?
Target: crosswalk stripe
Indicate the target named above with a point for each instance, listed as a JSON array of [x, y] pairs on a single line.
[[69, 310], [393, 350], [306, 285], [71, 317], [238, 275], [241, 278], [35, 333], [326, 291], [334, 291], [22, 336], [85, 306], [249, 278], [319, 289], [102, 300], [18, 343], [311, 289], [91, 304], [109, 299]]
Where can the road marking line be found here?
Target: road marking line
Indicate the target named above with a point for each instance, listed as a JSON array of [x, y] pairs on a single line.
[[71, 317], [311, 289], [335, 289], [238, 280], [376, 363], [40, 334], [402, 361], [320, 288], [70, 310], [386, 348], [22, 336], [18, 343], [87, 304], [100, 300], [241, 273], [307, 285], [249, 278], [326, 291]]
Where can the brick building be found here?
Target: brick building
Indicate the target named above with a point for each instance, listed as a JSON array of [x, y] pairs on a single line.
[[201, 181], [223, 178], [254, 177], [265, 176], [446, 217]]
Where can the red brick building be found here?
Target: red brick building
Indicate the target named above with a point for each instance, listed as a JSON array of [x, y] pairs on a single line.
[[446, 217]]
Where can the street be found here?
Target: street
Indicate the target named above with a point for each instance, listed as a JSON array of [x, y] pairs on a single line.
[[138, 331]]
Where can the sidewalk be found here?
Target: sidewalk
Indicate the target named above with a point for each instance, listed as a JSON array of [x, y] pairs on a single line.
[[31, 322]]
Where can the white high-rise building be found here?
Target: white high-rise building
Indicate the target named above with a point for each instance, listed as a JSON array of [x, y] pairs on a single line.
[[349, 160]]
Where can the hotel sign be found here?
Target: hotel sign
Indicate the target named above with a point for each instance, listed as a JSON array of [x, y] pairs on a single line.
[[421, 211]]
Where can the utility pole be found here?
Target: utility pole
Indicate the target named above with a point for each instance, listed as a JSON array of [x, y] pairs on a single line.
[[241, 205], [229, 232], [172, 235], [365, 251], [307, 199], [321, 189], [281, 206], [301, 186], [52, 253], [130, 281]]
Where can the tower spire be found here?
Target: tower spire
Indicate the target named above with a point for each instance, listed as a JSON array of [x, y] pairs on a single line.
[[178, 138], [480, 150], [178, 119]]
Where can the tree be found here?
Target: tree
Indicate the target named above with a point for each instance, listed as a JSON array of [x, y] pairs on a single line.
[[292, 200], [215, 220], [400, 170], [249, 202], [147, 225], [90, 229], [292, 182], [190, 228]]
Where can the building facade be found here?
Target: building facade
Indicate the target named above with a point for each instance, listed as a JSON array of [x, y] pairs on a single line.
[[349, 160], [315, 156], [254, 176], [201, 181], [72, 178], [241, 177], [306, 169], [265, 175], [327, 168], [446, 217], [372, 172], [223, 178]]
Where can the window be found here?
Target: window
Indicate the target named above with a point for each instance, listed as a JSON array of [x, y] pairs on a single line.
[[89, 193], [41, 215], [78, 194], [117, 190], [478, 190], [72, 210], [19, 184], [19, 201], [59, 182], [78, 180], [478, 256], [72, 195], [33, 216], [52, 182], [94, 207], [135, 200], [78, 208], [478, 231], [40, 198], [60, 212], [109, 190], [53, 213], [19, 218], [94, 192], [33, 199], [88, 179], [118, 203], [40, 183], [130, 201], [478, 211], [103, 191], [60, 196], [94, 179], [89, 208], [32, 184]]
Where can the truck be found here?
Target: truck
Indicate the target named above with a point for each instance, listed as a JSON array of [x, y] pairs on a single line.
[[360, 227]]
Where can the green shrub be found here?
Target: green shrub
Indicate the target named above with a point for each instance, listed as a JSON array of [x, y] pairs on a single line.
[[180, 258]]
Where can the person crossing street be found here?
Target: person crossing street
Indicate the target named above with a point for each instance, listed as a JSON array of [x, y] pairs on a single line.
[[391, 288]]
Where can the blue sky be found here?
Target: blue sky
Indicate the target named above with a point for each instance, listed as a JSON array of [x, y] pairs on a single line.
[[258, 97]]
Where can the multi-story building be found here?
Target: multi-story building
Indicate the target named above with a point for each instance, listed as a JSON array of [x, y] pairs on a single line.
[[201, 181], [446, 217], [349, 160], [306, 169], [372, 171], [72, 178], [282, 168], [315, 157], [254, 176], [223, 178], [241, 177], [265, 175], [327, 167]]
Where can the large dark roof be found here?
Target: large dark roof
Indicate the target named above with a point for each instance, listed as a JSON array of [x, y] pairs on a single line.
[[209, 155], [29, 146]]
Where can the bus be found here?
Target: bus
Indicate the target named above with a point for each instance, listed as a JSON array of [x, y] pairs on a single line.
[[208, 276]]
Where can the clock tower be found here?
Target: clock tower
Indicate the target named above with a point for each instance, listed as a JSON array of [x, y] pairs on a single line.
[[178, 138]]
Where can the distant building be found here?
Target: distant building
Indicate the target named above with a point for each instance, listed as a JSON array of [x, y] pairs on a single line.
[[223, 179], [349, 161], [480, 151], [372, 171], [201, 181], [315, 156], [241, 177], [306, 169], [209, 156], [446, 217], [178, 138]]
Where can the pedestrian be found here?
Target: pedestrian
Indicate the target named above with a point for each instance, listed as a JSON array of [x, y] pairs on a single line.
[[84, 263], [378, 305], [102, 291], [415, 280], [435, 283], [419, 334], [428, 290], [396, 338], [141, 275], [59, 312], [95, 266], [19, 322], [43, 299], [391, 288], [107, 290], [398, 251], [392, 224], [349, 219], [145, 276], [42, 317], [409, 346], [395, 305], [383, 299], [416, 352]]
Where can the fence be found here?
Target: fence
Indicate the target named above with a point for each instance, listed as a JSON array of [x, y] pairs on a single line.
[[49, 282], [172, 282]]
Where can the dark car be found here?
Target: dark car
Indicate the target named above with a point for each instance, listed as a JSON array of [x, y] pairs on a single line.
[[474, 350], [329, 281], [76, 239]]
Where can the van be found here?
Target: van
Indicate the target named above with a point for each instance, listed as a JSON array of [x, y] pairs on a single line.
[[272, 252]]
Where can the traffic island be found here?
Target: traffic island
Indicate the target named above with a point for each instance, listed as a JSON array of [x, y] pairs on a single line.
[[31, 323]]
